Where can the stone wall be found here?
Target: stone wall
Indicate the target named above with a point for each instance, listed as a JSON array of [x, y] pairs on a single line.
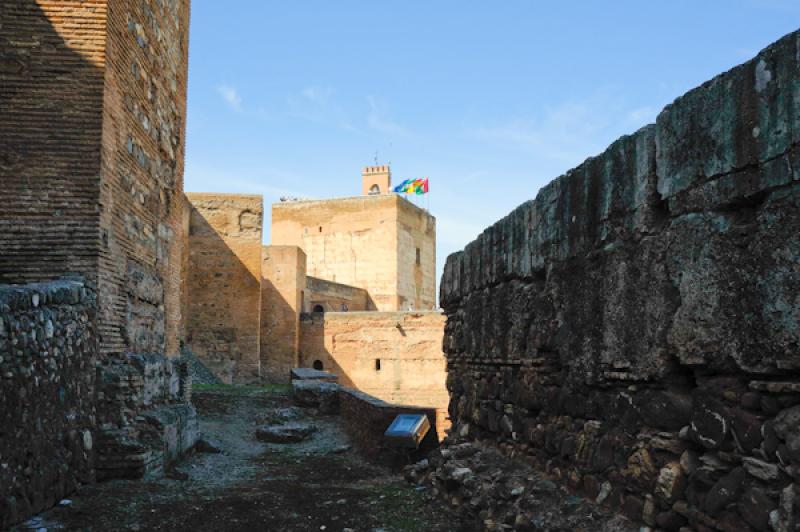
[[367, 242], [91, 161], [635, 329], [394, 356], [416, 258], [48, 349], [224, 284], [283, 289], [366, 418], [334, 297]]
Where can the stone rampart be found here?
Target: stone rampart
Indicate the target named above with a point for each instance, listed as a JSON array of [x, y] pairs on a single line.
[[635, 329], [48, 348]]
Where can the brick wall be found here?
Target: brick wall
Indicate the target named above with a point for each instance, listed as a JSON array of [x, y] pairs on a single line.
[[144, 110], [52, 60], [634, 330], [224, 284], [394, 356], [48, 349], [283, 289], [91, 161]]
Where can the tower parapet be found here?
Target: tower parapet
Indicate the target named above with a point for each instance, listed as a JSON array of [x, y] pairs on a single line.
[[376, 180]]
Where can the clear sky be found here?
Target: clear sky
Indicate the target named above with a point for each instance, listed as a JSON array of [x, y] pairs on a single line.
[[491, 100]]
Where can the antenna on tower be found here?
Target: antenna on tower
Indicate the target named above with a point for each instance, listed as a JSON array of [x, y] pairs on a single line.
[[376, 157]]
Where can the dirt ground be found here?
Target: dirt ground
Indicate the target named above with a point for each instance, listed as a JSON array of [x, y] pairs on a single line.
[[319, 484]]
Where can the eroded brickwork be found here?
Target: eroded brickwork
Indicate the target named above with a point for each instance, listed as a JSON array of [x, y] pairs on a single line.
[[140, 203], [635, 329], [224, 284]]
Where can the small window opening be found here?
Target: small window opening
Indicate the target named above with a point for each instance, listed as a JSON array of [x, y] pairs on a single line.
[[419, 257], [317, 365], [377, 364], [374, 189], [320, 228], [319, 308]]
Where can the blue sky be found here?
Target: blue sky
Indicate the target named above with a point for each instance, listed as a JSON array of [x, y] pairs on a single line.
[[491, 100]]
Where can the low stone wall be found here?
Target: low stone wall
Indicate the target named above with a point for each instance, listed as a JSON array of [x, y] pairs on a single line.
[[366, 418], [335, 297], [394, 356], [48, 348], [635, 329]]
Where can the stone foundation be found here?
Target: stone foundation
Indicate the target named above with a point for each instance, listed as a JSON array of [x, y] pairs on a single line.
[[635, 329]]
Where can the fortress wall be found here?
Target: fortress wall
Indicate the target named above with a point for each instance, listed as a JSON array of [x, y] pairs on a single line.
[[416, 258], [48, 350], [52, 60], [407, 345], [283, 288], [140, 200], [352, 241], [635, 329], [333, 295], [224, 284]]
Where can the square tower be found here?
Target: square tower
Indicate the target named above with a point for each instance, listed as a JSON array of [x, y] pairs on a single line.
[[376, 180]]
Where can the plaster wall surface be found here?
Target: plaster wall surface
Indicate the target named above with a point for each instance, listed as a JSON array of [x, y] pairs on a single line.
[[224, 283], [634, 329], [394, 356], [283, 289]]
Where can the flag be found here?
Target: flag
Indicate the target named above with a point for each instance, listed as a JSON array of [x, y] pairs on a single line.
[[412, 186]]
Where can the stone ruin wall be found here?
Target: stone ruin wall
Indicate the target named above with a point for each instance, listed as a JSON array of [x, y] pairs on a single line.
[[48, 348], [635, 329], [223, 284], [407, 345]]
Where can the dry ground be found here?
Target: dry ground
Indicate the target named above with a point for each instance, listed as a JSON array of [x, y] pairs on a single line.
[[253, 486]]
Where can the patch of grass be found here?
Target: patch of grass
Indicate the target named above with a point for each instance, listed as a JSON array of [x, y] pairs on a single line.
[[247, 389], [404, 507]]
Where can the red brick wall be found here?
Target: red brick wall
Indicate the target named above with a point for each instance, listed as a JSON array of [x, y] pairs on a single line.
[[140, 202], [52, 55]]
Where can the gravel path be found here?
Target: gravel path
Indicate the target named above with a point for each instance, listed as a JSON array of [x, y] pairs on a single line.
[[318, 484]]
